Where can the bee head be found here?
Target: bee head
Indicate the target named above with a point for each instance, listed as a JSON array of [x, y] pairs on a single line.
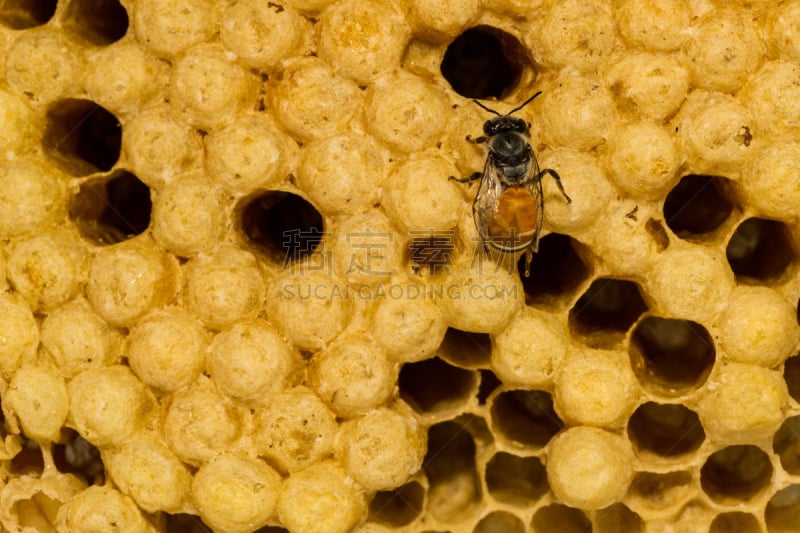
[[506, 124]]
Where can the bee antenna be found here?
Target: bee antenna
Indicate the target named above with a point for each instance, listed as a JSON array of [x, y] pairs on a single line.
[[487, 109], [526, 102]]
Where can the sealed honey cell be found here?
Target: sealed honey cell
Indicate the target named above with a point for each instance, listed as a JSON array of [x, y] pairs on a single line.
[[108, 404], [263, 37], [321, 498], [169, 27], [167, 349], [20, 335], [589, 468], [342, 174], [77, 338], [34, 197], [199, 423], [136, 464], [249, 153], [383, 448], [101, 508], [224, 288], [518, 359], [235, 493], [188, 217], [251, 360], [122, 77], [353, 376], [127, 281], [295, 430], [207, 86], [38, 397], [362, 39]]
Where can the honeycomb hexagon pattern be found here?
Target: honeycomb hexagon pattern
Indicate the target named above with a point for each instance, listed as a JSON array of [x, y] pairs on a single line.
[[239, 291]]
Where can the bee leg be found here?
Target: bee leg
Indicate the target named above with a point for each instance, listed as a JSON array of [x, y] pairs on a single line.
[[470, 179], [556, 177], [478, 140], [528, 259]]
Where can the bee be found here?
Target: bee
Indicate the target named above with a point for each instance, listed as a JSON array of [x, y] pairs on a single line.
[[509, 205]]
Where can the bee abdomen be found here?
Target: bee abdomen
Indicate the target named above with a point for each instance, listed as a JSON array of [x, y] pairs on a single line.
[[512, 224]]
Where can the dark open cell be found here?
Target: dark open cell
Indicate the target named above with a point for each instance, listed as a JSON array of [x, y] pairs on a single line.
[[100, 22], [786, 443], [696, 205], [450, 468], [665, 429], [489, 382], [791, 374], [24, 14], [433, 385], [77, 456], [484, 62], [671, 355], [112, 209], [735, 522], [516, 480], [736, 473], [465, 348], [556, 269], [608, 306], [500, 521], [783, 509], [760, 250], [283, 224], [397, 507], [526, 417], [82, 136], [558, 517]]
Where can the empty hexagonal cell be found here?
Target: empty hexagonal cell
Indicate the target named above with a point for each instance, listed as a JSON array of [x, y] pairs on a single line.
[[433, 386], [398, 507], [697, 205], [617, 518], [500, 521], [735, 523], [605, 312], [791, 374], [283, 225], [111, 209], [489, 382], [455, 489], [760, 251], [786, 444], [24, 14], [100, 22], [525, 418], [558, 517], [665, 429], [466, 349], [82, 136], [557, 269], [735, 474], [783, 510], [516, 480], [651, 491], [484, 62], [671, 356]]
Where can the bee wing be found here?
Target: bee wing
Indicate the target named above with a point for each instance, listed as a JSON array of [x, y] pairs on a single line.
[[533, 184], [486, 199]]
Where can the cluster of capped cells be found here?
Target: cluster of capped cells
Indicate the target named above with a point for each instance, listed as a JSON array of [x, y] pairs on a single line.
[[240, 293]]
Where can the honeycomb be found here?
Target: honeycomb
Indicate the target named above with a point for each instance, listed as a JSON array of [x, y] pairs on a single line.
[[240, 293]]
